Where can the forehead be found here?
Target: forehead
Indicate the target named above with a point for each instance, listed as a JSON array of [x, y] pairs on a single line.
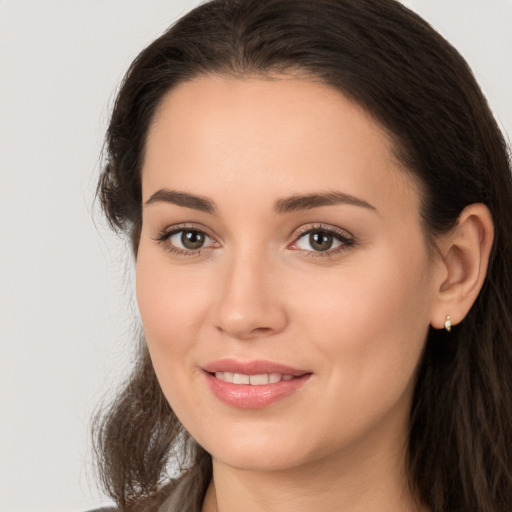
[[270, 136]]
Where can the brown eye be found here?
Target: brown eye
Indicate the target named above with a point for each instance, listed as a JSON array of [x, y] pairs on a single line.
[[320, 240], [187, 240], [192, 239]]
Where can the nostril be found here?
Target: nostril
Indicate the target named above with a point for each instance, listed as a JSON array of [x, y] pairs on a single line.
[[248, 333]]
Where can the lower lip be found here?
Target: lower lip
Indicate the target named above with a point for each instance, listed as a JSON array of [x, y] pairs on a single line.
[[246, 396]]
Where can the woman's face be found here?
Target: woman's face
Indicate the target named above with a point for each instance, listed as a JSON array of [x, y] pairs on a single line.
[[283, 278]]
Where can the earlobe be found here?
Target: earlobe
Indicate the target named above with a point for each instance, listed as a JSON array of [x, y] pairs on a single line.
[[465, 255]]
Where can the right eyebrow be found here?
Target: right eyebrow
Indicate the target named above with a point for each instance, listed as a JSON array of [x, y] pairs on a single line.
[[185, 199]]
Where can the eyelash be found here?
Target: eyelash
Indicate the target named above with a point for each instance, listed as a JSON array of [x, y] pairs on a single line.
[[164, 236], [346, 241]]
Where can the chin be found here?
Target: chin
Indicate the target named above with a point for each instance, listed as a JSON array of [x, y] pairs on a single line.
[[257, 458], [256, 448]]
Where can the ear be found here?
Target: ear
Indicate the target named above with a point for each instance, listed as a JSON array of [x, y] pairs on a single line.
[[464, 259]]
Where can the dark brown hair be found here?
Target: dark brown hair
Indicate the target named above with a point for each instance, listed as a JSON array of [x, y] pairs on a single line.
[[421, 91]]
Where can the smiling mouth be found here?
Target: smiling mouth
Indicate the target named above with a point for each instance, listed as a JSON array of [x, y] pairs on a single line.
[[263, 391], [253, 384], [252, 380]]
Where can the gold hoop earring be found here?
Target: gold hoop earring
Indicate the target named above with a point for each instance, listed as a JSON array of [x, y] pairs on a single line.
[[448, 323]]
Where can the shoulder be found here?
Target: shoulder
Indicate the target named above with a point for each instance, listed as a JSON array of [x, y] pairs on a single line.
[[104, 509], [181, 495], [177, 496]]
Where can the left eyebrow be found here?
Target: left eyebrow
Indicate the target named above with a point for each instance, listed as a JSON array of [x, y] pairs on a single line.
[[309, 201]]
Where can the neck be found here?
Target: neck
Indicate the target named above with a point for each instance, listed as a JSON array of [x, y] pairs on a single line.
[[348, 481]]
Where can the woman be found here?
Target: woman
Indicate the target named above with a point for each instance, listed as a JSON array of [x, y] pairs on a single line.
[[319, 204]]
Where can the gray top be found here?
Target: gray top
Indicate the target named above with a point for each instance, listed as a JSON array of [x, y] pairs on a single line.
[[178, 501], [180, 498]]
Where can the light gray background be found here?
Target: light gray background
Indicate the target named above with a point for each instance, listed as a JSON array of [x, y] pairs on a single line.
[[65, 283]]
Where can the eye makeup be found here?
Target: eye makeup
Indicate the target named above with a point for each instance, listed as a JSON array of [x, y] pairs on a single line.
[[186, 240]]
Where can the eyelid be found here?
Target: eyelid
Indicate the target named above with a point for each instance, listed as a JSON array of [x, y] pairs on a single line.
[[165, 234], [176, 228], [347, 239], [318, 226]]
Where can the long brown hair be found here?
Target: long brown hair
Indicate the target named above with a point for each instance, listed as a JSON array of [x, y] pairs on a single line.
[[421, 91]]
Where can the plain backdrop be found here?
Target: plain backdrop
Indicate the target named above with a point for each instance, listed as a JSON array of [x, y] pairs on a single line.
[[66, 306]]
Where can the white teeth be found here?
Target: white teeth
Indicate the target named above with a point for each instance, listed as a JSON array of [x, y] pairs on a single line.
[[240, 378], [258, 380], [275, 377], [254, 380]]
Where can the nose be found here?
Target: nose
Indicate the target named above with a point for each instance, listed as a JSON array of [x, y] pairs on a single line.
[[250, 301]]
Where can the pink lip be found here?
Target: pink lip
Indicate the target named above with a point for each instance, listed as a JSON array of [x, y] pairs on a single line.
[[246, 396], [251, 367]]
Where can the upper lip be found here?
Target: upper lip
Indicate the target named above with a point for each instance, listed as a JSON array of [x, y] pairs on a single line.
[[257, 367]]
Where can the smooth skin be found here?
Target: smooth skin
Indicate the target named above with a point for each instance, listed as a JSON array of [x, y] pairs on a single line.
[[250, 282]]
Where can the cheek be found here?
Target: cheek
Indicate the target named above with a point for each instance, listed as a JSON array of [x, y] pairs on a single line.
[[171, 307], [169, 297], [370, 319], [366, 327]]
